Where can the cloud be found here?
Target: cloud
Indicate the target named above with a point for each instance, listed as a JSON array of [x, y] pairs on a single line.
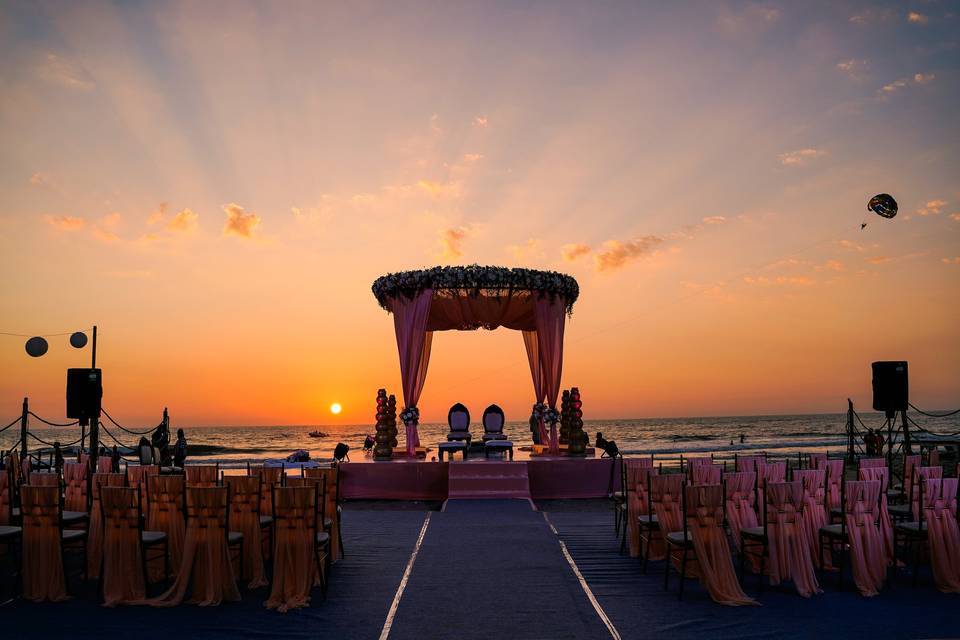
[[831, 265], [714, 220], [66, 223], [105, 235], [932, 208], [800, 157], [879, 259], [157, 216], [791, 281], [66, 73], [451, 241], [472, 157], [38, 179], [955, 216], [438, 190], [950, 260], [480, 121], [572, 252], [872, 16], [184, 221], [915, 17], [852, 246], [902, 83], [753, 18], [239, 222], [616, 254], [855, 69]]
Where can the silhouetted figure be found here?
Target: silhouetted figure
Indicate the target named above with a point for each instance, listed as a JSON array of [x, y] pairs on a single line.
[[115, 460], [161, 442], [879, 442], [535, 429], [180, 449], [609, 447], [57, 456], [368, 443], [742, 438], [870, 442]]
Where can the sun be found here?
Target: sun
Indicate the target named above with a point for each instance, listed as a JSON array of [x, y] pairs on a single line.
[[335, 408]]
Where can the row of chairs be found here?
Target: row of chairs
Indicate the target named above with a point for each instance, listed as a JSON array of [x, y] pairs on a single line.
[[460, 439], [172, 509], [652, 500]]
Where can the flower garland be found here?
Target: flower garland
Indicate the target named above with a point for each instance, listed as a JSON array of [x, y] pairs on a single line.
[[410, 416], [473, 279], [551, 416]]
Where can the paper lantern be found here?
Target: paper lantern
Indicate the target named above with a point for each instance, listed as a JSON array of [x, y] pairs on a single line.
[[36, 346], [78, 340]]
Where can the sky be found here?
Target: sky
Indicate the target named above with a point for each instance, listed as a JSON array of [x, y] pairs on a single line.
[[216, 186]]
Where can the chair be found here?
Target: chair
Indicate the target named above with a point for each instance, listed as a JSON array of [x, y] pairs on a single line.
[[245, 518], [95, 527], [44, 543], [45, 479], [493, 420], [747, 463], [635, 503], [137, 477], [860, 529], [782, 539], [459, 420], [703, 538], [127, 546], [944, 532], [302, 550], [916, 533], [206, 567], [331, 507], [881, 474], [817, 460], [665, 498], [870, 463], [814, 506], [6, 496], [75, 479], [648, 527], [202, 475], [270, 477], [706, 473], [166, 512], [741, 502]]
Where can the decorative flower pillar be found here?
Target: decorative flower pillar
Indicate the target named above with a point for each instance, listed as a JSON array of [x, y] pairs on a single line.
[[578, 439], [383, 449], [565, 418], [392, 419]]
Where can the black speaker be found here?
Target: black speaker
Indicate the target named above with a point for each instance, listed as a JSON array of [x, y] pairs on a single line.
[[890, 389], [84, 392]]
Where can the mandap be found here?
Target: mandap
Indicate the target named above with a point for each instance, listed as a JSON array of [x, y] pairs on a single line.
[[533, 302]]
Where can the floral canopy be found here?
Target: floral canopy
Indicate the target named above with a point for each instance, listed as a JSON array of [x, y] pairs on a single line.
[[467, 298]]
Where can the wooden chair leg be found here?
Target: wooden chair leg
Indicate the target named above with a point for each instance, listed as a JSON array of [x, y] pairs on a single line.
[[683, 572], [666, 570]]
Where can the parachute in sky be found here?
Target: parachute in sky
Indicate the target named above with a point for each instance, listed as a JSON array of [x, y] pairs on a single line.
[[883, 205]]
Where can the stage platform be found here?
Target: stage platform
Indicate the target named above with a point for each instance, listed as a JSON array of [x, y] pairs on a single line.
[[540, 478]]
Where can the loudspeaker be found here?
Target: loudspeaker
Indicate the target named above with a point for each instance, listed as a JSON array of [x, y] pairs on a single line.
[[84, 392], [890, 389]]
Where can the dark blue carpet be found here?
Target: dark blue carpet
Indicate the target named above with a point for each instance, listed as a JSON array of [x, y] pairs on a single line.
[[378, 544], [492, 569], [639, 608]]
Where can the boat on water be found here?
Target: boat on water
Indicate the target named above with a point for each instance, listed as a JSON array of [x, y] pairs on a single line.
[[317, 434]]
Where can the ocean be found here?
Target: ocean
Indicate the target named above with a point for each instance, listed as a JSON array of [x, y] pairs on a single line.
[[234, 446]]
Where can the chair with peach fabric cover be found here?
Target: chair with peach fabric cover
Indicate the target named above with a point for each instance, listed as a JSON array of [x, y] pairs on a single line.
[[814, 507], [707, 473], [270, 477], [75, 487], [859, 528], [206, 569], [202, 475], [245, 518], [703, 537], [637, 503], [331, 507], [301, 549], [126, 546], [44, 540], [881, 474], [943, 532], [137, 477], [741, 503], [166, 512], [45, 479], [95, 527], [748, 463]]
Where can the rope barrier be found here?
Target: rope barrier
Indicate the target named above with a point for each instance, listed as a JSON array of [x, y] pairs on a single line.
[[119, 444], [40, 335], [933, 415], [15, 421], [54, 424], [122, 428], [932, 433]]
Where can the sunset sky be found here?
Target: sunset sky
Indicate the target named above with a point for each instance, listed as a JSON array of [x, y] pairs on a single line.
[[216, 185]]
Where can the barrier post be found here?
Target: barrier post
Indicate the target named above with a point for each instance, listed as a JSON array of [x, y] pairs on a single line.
[[851, 453], [23, 429]]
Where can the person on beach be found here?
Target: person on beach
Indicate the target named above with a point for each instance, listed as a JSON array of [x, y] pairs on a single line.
[[180, 449], [57, 456], [870, 442], [115, 460], [742, 438]]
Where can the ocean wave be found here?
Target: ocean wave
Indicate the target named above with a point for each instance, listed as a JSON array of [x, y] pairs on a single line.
[[754, 446]]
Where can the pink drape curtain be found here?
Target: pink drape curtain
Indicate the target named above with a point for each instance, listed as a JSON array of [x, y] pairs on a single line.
[[709, 473], [943, 534], [921, 474], [814, 507], [95, 526], [123, 579], [166, 513], [637, 503], [789, 547], [550, 316], [43, 577], [413, 343], [532, 345], [294, 568], [75, 486]]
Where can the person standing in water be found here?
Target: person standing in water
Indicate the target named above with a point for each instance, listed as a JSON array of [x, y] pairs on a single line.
[[180, 449]]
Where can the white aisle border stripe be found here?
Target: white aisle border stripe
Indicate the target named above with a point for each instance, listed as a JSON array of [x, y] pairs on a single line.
[[388, 623], [583, 583]]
